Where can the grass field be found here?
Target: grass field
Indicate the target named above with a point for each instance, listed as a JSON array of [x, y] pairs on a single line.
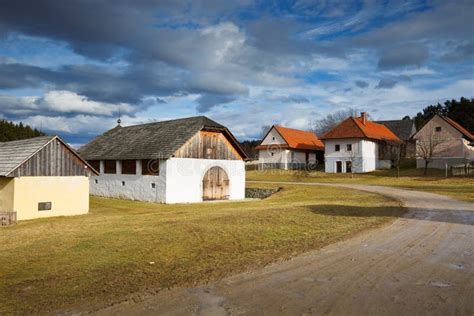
[[459, 187], [125, 247]]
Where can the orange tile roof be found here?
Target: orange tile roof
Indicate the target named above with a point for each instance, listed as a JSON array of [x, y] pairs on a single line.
[[353, 128], [297, 139], [461, 129]]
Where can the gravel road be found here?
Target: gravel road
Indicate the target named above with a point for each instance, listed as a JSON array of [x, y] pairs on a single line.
[[423, 263]]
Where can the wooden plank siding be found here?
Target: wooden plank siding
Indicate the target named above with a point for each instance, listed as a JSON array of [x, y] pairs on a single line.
[[54, 160], [208, 145], [215, 184]]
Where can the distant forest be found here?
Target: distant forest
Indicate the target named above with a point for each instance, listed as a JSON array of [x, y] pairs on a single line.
[[12, 131], [249, 147]]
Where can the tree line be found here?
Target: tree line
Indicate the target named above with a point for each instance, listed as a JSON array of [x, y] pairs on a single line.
[[12, 131]]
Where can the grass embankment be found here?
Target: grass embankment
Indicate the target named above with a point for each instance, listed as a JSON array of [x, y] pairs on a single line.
[[125, 247], [461, 188]]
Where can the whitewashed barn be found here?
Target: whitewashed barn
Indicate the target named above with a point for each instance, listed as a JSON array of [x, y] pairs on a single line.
[[178, 161]]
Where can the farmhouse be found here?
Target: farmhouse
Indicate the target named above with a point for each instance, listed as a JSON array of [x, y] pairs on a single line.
[[444, 142], [178, 161], [357, 145], [288, 148], [42, 177]]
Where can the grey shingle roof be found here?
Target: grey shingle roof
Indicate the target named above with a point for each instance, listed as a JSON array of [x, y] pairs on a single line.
[[14, 153], [146, 141], [404, 129]]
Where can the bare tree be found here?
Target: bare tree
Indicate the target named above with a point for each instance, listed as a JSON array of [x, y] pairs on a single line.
[[323, 125], [352, 158], [394, 152], [427, 147]]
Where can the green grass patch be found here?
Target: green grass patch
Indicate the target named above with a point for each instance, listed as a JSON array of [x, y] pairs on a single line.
[[104, 256], [461, 188]]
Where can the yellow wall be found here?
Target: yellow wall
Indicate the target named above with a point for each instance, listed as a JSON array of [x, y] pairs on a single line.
[[69, 196], [6, 194]]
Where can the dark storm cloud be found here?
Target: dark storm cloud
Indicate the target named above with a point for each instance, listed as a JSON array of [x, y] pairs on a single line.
[[386, 83], [404, 55], [208, 101], [460, 52], [361, 84]]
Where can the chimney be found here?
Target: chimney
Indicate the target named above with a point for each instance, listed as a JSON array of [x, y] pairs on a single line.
[[362, 117]]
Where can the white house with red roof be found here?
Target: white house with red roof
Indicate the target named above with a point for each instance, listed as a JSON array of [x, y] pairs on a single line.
[[288, 148], [452, 144], [355, 145]]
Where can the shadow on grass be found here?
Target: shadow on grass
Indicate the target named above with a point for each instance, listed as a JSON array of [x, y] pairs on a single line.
[[464, 217]]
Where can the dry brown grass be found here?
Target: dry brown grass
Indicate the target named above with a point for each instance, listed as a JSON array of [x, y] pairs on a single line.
[[66, 263], [461, 188]]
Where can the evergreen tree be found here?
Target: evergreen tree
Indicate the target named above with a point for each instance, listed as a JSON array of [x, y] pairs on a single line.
[[11, 131], [461, 111]]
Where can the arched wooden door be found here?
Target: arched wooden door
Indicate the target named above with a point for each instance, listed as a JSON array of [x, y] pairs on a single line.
[[215, 185]]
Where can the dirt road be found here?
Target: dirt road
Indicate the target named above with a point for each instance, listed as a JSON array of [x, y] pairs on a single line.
[[421, 264]]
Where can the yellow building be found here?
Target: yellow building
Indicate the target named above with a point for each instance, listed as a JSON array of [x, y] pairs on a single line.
[[42, 177]]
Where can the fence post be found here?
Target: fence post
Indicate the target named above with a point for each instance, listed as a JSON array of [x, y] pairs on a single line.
[[446, 170]]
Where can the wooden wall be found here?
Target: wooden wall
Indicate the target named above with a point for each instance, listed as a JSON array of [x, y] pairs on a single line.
[[208, 145], [55, 160]]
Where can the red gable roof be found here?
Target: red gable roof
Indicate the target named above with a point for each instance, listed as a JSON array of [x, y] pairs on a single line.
[[461, 129], [354, 128], [297, 139]]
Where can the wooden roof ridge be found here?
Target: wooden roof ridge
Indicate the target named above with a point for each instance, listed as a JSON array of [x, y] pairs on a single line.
[[39, 143], [151, 140]]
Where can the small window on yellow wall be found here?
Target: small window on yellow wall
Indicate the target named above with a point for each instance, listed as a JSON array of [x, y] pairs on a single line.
[[44, 206]]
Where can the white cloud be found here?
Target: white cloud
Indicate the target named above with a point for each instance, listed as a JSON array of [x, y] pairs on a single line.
[[71, 102]]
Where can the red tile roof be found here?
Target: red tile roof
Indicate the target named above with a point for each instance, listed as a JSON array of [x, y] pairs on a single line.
[[297, 139], [461, 129], [353, 128]]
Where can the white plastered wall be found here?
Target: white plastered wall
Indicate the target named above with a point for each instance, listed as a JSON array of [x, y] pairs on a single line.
[[364, 155], [184, 178], [132, 187]]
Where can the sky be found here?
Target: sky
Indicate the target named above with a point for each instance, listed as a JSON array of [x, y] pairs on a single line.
[[73, 67]]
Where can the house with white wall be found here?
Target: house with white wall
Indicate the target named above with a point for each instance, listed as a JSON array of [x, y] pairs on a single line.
[[177, 161], [355, 146], [289, 148], [451, 144]]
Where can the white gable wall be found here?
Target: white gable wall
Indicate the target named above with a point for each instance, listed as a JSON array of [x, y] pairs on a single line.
[[273, 137], [364, 154], [184, 178]]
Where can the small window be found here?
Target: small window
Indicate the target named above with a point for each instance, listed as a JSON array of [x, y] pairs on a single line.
[[438, 128], [153, 185], [273, 154], [151, 167], [129, 167], [273, 138], [44, 206], [95, 164], [123, 183], [96, 181], [338, 147], [349, 147], [110, 166]]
